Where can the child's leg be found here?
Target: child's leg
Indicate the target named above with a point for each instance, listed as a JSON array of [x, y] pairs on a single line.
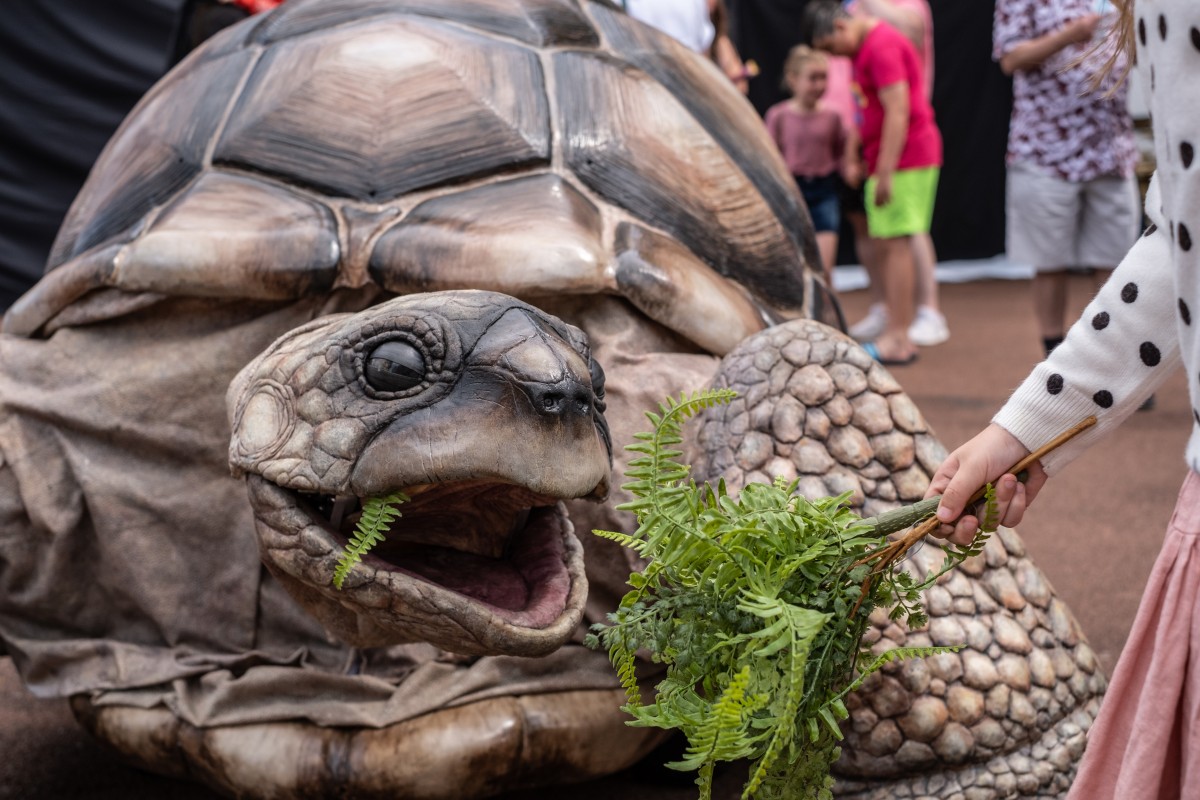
[[925, 259], [821, 197], [827, 242]]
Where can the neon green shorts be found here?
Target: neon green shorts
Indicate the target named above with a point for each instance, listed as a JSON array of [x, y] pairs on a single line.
[[911, 208]]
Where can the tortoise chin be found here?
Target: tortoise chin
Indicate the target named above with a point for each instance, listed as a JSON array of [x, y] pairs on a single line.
[[473, 567]]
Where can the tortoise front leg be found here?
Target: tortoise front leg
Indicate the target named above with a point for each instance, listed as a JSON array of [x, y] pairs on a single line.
[[1005, 715]]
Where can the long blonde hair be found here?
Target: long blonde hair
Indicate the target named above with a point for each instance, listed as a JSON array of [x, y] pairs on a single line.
[[1120, 40]]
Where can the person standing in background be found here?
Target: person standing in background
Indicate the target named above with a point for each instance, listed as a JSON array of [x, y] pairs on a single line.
[[699, 25], [901, 145], [914, 19], [686, 21], [1071, 194], [816, 146], [724, 52]]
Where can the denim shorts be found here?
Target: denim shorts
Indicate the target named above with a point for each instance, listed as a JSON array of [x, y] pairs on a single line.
[[821, 197]]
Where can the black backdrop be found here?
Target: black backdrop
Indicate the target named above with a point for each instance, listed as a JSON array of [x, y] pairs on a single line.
[[971, 97], [69, 72]]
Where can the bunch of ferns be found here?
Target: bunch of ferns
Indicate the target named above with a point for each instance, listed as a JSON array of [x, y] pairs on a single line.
[[757, 605]]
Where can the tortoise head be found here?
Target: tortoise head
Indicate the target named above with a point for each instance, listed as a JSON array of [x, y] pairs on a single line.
[[485, 412]]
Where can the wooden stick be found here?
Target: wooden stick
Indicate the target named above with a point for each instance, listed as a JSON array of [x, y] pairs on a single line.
[[893, 551]]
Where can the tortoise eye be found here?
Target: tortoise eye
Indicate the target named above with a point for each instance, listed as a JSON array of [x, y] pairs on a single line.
[[395, 367]]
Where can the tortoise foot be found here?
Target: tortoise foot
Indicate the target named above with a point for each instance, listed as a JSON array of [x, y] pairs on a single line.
[[1003, 717], [472, 751]]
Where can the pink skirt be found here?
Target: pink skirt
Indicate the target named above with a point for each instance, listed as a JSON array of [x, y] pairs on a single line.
[[1145, 742]]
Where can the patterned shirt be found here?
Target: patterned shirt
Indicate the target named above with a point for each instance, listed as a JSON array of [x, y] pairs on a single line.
[[1145, 321], [1059, 122]]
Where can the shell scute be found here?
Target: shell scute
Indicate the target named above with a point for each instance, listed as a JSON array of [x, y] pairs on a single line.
[[535, 22], [157, 151], [717, 107], [373, 112], [533, 236], [278, 244], [636, 145]]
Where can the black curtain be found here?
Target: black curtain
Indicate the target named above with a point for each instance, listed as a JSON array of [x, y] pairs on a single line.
[[70, 70], [971, 96], [973, 100]]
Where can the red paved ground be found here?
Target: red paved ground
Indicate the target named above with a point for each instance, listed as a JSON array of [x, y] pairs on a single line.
[[1094, 531]]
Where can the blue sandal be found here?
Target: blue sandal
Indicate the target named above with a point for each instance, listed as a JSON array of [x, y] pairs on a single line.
[[873, 352]]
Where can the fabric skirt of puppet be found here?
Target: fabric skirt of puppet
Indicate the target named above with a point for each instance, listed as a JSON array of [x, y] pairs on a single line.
[[1145, 742]]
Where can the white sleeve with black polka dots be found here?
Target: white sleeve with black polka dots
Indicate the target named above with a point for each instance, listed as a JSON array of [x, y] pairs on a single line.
[[1140, 326], [1123, 346]]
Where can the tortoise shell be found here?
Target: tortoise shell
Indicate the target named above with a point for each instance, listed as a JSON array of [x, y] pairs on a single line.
[[532, 147]]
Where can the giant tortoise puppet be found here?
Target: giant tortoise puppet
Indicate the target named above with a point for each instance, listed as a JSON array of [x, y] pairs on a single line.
[[454, 248]]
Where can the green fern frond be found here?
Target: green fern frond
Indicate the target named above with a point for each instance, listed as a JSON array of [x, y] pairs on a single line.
[[896, 654], [991, 510], [719, 736], [625, 662], [376, 518], [623, 539]]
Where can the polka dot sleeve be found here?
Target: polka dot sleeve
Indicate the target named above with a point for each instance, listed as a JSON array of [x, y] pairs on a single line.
[[1123, 346]]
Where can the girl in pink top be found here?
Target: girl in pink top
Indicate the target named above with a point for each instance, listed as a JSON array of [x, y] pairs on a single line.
[[815, 145]]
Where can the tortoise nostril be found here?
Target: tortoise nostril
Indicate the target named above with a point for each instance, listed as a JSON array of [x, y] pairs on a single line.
[[562, 400]]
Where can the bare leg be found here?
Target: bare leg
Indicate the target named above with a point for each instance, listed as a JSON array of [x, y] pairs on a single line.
[[1050, 303], [827, 243], [864, 246], [925, 258], [896, 262]]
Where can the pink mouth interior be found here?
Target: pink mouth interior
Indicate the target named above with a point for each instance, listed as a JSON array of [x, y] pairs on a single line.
[[528, 586], [498, 545]]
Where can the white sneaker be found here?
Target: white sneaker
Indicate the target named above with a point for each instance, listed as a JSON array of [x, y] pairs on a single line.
[[928, 328], [872, 326]]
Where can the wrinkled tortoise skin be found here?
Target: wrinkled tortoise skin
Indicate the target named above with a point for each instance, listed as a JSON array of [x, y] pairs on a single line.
[[314, 162]]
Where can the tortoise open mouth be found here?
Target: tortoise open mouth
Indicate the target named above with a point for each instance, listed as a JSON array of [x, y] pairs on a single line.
[[474, 566], [497, 544]]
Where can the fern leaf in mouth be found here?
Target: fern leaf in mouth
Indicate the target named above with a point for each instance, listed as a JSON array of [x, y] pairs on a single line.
[[378, 513]]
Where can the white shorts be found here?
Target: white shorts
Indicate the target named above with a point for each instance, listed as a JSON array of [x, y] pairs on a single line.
[[1054, 224]]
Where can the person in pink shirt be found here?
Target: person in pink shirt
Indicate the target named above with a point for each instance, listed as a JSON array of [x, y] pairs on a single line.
[[816, 146], [902, 147], [914, 19]]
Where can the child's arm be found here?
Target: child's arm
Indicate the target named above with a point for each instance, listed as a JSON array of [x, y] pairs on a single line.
[[1123, 346], [851, 157], [894, 99]]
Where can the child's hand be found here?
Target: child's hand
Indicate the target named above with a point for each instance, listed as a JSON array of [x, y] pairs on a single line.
[[883, 189], [1082, 29], [852, 174], [984, 458]]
